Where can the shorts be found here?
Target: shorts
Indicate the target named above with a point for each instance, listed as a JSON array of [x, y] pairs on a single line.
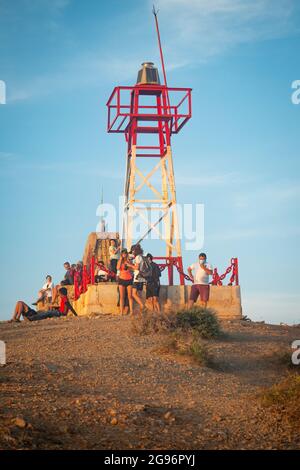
[[152, 289], [200, 289], [32, 315], [125, 282], [66, 282], [138, 286]]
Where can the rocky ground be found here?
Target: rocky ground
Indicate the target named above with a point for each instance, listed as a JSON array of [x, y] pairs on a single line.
[[91, 383]]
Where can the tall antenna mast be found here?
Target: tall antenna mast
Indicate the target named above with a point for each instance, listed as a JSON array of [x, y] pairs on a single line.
[[155, 12]]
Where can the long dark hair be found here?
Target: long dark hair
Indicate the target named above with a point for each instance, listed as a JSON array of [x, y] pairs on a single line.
[[138, 250]]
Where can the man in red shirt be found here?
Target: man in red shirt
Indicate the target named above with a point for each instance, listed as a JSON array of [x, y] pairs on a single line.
[[29, 314]]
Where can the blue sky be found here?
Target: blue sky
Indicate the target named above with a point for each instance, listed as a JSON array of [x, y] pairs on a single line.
[[239, 154]]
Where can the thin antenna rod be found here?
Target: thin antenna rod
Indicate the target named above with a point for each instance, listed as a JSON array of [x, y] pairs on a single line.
[[155, 12]]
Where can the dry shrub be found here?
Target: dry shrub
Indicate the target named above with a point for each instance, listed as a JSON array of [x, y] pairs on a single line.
[[284, 398]]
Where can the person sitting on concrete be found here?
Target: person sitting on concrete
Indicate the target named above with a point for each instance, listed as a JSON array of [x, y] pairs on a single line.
[[101, 274], [153, 285], [79, 272], [69, 275], [46, 291], [125, 281], [202, 271], [67, 281], [114, 255], [22, 309]]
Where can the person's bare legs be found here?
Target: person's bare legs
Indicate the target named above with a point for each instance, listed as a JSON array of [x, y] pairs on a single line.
[[19, 309], [156, 304], [191, 303], [55, 292], [130, 299], [149, 303], [122, 298], [136, 297]]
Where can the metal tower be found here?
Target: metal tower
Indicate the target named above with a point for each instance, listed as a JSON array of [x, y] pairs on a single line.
[[148, 113]]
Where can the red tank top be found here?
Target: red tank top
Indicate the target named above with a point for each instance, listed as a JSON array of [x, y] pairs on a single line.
[[62, 305], [125, 274]]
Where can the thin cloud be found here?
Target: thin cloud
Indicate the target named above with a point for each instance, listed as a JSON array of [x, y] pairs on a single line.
[[7, 157], [207, 180], [272, 194], [193, 31], [196, 30], [249, 233], [79, 72], [269, 306]]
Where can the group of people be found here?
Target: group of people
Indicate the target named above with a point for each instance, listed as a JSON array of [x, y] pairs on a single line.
[[134, 271], [131, 270], [56, 297]]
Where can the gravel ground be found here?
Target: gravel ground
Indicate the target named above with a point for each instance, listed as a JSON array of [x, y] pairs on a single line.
[[91, 383]]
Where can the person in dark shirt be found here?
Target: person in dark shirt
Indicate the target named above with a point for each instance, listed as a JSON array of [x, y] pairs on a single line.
[[29, 314], [153, 285], [67, 281], [69, 275]]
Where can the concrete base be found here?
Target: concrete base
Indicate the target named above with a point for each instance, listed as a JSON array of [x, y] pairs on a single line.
[[102, 298]]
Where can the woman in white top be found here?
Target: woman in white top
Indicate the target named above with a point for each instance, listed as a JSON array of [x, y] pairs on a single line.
[[114, 255], [46, 291], [138, 280]]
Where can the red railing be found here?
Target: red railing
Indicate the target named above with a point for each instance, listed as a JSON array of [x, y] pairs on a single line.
[[171, 262], [87, 276], [121, 113], [217, 279]]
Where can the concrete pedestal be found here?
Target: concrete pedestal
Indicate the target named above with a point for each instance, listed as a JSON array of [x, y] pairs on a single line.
[[102, 298]]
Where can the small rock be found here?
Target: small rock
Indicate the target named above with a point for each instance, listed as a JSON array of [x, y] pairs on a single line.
[[114, 421], [112, 412], [20, 423], [217, 418], [168, 415]]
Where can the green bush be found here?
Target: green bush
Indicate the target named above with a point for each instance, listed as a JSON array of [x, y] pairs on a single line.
[[200, 319], [190, 344], [199, 351]]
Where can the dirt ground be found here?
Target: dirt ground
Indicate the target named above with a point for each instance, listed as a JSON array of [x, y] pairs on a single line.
[[91, 383]]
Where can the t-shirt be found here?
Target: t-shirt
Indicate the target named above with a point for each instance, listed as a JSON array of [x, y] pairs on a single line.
[[200, 276], [63, 303], [100, 272], [69, 276], [113, 254], [156, 273], [136, 273], [48, 286]]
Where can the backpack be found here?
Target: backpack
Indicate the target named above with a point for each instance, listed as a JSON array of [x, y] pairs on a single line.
[[145, 269], [156, 272]]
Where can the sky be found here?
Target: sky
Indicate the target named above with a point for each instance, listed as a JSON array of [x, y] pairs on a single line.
[[238, 155]]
